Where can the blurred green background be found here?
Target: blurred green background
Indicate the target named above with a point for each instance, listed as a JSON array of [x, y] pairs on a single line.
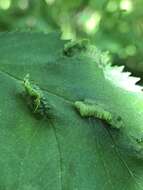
[[113, 25]]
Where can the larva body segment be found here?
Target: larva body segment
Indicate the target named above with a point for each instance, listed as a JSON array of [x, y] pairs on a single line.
[[96, 110], [92, 110]]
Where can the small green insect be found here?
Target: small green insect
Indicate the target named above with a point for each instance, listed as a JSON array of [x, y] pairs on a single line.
[[33, 91], [74, 47], [35, 99], [90, 109]]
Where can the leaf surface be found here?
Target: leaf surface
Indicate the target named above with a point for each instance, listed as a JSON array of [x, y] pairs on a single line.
[[66, 151]]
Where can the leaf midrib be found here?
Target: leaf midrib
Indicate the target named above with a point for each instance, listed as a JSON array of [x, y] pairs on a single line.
[[67, 100]]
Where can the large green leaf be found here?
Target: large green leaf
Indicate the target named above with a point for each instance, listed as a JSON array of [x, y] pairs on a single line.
[[65, 151]]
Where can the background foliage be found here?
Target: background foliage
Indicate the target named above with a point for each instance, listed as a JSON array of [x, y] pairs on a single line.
[[113, 25]]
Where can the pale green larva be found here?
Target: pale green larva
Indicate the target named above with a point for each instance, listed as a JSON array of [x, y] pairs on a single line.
[[96, 110], [92, 110]]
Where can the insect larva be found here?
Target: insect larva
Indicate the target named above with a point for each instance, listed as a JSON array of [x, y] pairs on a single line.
[[74, 47], [87, 110], [97, 111], [35, 99]]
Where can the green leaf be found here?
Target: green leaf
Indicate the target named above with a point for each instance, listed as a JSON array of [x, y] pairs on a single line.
[[64, 150]]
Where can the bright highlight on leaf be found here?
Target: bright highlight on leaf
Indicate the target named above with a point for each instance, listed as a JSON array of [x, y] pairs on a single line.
[[49, 2], [92, 22], [5, 4], [115, 74], [126, 5], [122, 79]]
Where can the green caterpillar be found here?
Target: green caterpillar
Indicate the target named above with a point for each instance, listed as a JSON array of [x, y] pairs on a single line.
[[96, 110], [35, 99]]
